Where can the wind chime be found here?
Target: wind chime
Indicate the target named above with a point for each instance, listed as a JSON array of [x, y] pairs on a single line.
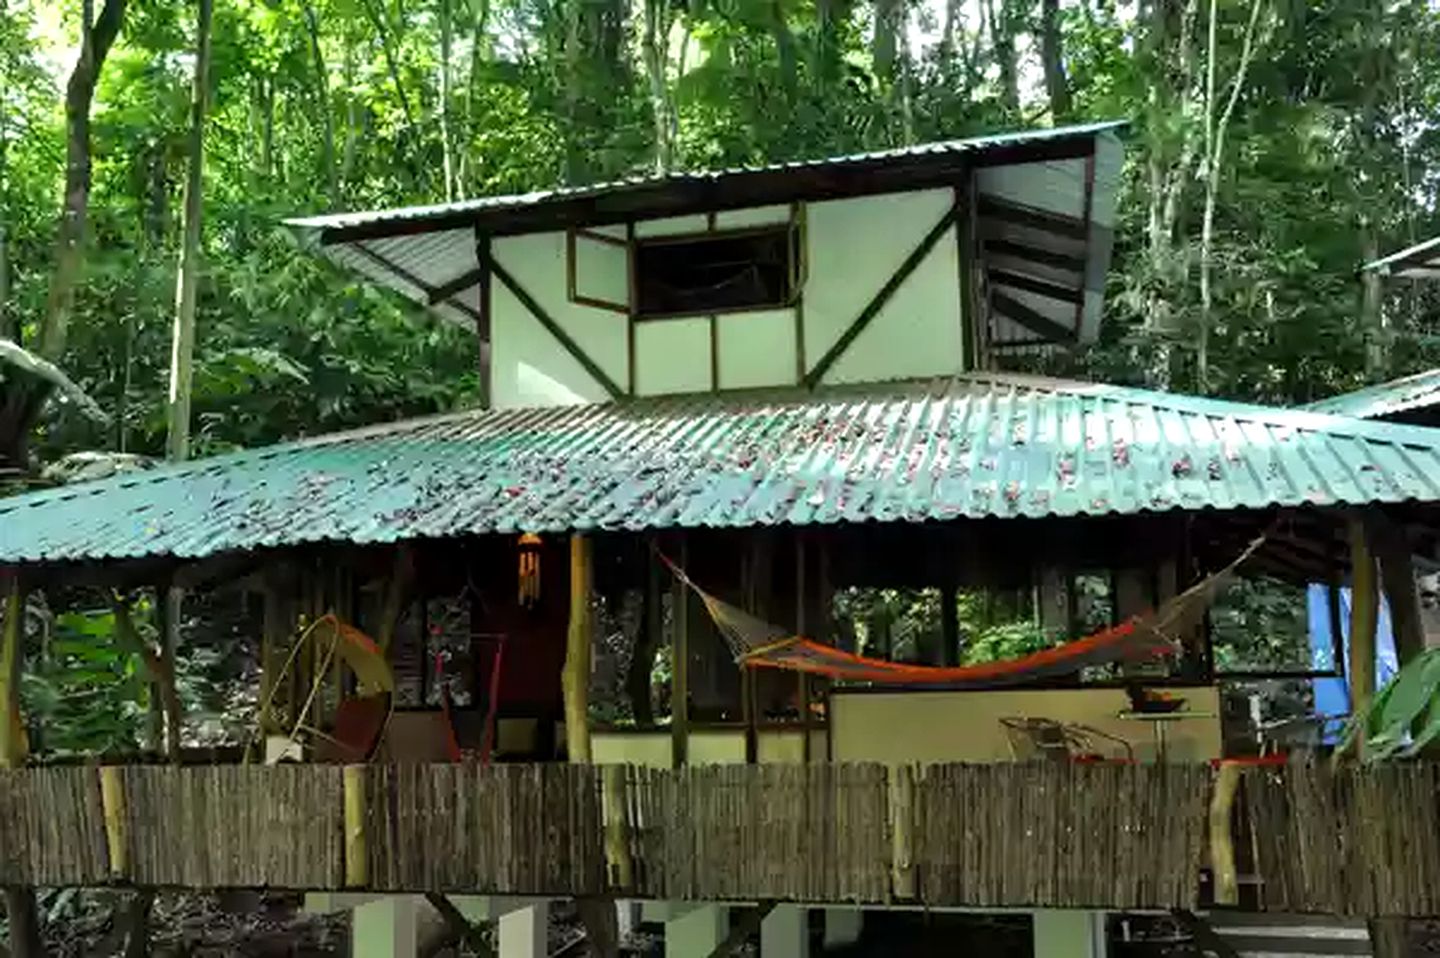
[[529, 548]]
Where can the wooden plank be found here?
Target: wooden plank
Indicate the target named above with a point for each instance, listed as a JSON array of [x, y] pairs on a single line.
[[878, 301], [1036, 255], [993, 207], [1040, 287], [466, 280]]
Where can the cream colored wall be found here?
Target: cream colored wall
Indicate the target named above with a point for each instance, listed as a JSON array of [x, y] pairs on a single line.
[[895, 727], [528, 367], [707, 747], [672, 356], [854, 246]]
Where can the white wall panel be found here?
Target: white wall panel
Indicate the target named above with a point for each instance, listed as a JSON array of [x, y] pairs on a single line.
[[754, 216], [757, 349], [537, 262], [855, 246], [672, 356], [673, 225]]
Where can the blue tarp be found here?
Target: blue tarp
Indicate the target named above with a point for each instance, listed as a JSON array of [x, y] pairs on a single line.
[[1332, 695]]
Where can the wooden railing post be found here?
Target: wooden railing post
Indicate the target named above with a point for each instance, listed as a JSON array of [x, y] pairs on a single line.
[[902, 830], [619, 865], [575, 680], [357, 870], [1222, 844], [112, 804]]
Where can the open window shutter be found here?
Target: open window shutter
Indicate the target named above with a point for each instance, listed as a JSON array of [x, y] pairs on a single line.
[[599, 270]]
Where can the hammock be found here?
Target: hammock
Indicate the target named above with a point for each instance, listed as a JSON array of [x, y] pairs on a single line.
[[756, 643]]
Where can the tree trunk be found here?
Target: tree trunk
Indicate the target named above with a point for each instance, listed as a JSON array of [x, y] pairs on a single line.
[[322, 96], [22, 400], [447, 158], [885, 42], [654, 45], [182, 346], [1002, 43], [24, 918], [1057, 87], [96, 38], [1214, 156], [1372, 311], [392, 65]]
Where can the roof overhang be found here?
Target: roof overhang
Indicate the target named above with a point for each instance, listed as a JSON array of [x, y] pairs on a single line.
[[1045, 220], [1421, 261]]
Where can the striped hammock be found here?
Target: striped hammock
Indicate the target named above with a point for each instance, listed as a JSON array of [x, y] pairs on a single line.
[[1152, 636]]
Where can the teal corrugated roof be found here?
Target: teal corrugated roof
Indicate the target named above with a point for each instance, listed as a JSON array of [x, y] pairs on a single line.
[[984, 445], [1385, 399]]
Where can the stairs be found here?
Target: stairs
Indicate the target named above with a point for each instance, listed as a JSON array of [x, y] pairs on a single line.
[[1257, 935]]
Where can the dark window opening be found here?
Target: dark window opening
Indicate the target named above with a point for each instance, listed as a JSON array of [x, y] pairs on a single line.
[[722, 272]]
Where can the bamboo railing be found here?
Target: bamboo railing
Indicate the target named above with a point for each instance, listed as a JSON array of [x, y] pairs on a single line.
[[1002, 835]]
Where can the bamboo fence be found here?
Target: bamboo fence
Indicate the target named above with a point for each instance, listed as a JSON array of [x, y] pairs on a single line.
[[1361, 841], [1352, 841]]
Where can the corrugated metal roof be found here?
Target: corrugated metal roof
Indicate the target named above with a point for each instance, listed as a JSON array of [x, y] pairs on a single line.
[[978, 446], [1385, 399], [1421, 261], [428, 253], [438, 211]]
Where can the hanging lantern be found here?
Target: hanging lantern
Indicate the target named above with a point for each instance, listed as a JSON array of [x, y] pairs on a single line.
[[529, 570]]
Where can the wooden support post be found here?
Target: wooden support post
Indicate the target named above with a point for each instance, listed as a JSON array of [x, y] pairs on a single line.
[[169, 601], [112, 804], [20, 907], [1222, 845], [680, 668], [13, 745], [275, 631], [801, 624], [1364, 613], [357, 864], [575, 680], [1397, 576]]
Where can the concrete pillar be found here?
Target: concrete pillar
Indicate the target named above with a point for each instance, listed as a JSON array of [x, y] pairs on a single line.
[[523, 931], [1070, 934], [785, 933], [627, 918], [843, 926], [697, 931], [384, 928]]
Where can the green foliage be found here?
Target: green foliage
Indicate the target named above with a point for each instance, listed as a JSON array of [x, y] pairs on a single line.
[[1261, 624], [1404, 717]]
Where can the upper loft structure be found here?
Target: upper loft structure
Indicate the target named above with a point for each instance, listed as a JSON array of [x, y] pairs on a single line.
[[925, 261]]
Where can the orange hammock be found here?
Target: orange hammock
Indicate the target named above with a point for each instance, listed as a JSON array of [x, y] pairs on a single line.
[[756, 643]]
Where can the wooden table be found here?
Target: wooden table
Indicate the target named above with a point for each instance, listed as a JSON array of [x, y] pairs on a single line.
[[1160, 721]]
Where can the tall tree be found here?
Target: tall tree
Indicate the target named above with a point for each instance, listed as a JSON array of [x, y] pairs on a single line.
[[23, 399], [1215, 129], [182, 352], [1052, 58]]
